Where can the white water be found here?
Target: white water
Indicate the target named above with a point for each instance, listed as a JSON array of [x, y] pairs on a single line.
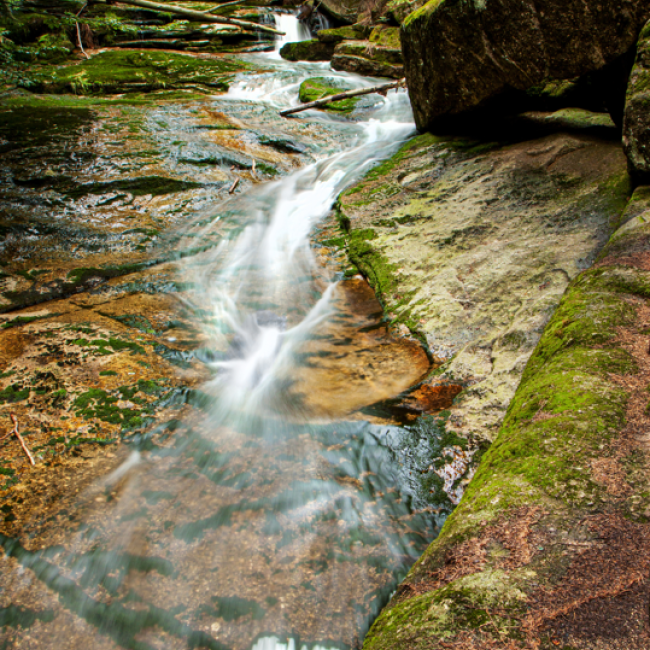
[[212, 530], [293, 30]]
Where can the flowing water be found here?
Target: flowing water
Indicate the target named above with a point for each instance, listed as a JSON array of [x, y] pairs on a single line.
[[282, 511]]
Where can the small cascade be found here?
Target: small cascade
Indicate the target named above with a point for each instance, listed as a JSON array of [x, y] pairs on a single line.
[[293, 30]]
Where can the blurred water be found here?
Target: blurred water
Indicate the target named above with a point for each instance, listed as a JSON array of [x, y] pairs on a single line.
[[273, 515]]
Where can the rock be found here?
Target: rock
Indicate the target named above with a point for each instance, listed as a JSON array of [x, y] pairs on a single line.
[[636, 127], [460, 55], [338, 34], [368, 59], [400, 9], [124, 71], [345, 11], [552, 464], [386, 36], [472, 246], [313, 50], [319, 87]]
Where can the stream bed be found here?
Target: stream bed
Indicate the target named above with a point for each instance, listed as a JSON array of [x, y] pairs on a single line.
[[283, 497]]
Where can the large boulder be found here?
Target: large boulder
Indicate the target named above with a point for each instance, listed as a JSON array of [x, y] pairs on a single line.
[[313, 50], [459, 55], [636, 128], [344, 11], [369, 59]]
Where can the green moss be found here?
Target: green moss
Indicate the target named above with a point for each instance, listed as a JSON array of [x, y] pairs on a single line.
[[313, 50], [121, 71], [566, 410], [23, 320], [316, 88], [13, 393]]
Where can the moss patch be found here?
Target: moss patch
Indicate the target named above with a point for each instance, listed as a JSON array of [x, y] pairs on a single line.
[[316, 88]]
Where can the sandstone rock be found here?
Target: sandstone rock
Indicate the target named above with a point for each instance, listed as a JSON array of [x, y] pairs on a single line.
[[367, 58], [459, 55], [636, 129], [313, 50]]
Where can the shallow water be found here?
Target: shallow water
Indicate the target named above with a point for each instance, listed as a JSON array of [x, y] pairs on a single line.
[[281, 510]]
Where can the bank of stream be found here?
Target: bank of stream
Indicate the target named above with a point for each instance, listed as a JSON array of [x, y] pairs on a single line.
[[269, 481]]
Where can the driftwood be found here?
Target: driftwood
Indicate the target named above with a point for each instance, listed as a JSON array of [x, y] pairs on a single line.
[[346, 95], [199, 15], [233, 187]]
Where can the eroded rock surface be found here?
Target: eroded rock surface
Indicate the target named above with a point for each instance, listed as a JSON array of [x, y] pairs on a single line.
[[460, 54], [549, 545], [472, 246]]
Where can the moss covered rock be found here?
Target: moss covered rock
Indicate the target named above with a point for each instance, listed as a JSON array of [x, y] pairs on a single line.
[[319, 87], [636, 129], [545, 543], [123, 71], [313, 50], [369, 58], [337, 34], [458, 55], [472, 244]]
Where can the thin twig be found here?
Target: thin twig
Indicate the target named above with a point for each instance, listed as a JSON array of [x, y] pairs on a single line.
[[233, 187], [28, 453], [82, 8], [79, 39]]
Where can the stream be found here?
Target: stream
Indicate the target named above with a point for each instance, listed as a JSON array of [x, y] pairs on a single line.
[[283, 511]]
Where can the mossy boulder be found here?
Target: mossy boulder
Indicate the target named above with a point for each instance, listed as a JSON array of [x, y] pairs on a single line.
[[459, 55], [636, 128], [320, 87], [400, 9], [471, 244], [386, 36], [368, 58], [123, 71], [313, 50], [337, 34], [530, 547]]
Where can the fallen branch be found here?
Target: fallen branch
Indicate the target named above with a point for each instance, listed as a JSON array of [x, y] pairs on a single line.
[[199, 15], [81, 47], [14, 419], [346, 95], [225, 4], [233, 187]]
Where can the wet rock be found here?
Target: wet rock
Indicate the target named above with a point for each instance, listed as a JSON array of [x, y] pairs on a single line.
[[123, 71], [313, 50], [368, 59], [550, 474], [320, 87], [472, 244], [459, 55], [636, 128], [281, 144]]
